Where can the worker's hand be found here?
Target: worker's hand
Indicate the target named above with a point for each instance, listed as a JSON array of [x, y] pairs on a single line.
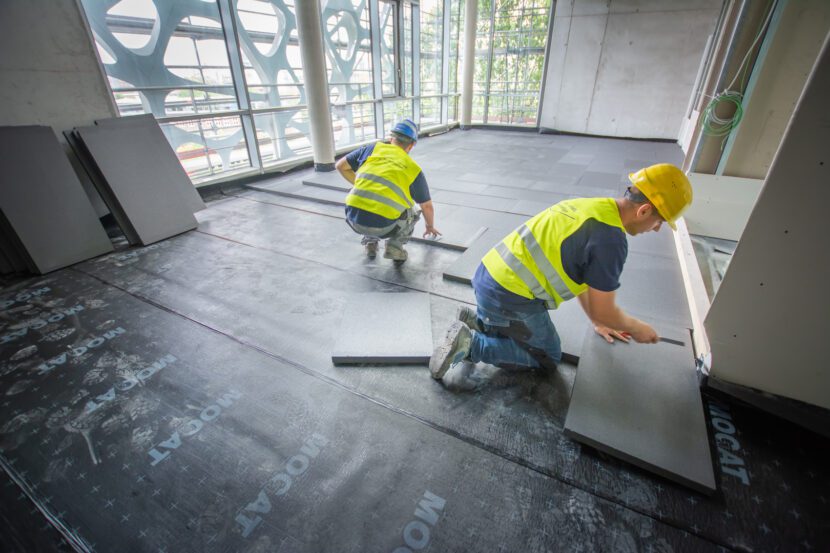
[[609, 334], [431, 231], [644, 333]]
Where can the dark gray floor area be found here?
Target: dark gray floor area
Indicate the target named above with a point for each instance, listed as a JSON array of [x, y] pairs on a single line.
[[306, 456]]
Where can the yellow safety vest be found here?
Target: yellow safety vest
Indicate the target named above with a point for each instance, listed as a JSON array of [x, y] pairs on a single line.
[[382, 183], [529, 261]]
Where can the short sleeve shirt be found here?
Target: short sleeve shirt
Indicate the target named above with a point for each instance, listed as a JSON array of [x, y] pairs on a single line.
[[418, 189]]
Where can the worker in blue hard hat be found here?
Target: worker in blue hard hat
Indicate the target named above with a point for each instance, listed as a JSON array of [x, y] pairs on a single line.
[[386, 185]]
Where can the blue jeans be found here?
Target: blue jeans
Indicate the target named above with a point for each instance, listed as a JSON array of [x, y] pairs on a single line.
[[489, 347]]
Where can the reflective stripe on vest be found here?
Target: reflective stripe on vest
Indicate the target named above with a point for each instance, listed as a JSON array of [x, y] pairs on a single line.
[[390, 185], [524, 273], [528, 262], [543, 264], [376, 197], [382, 183]]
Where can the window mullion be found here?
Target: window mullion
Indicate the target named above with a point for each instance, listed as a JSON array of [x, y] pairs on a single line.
[[445, 63], [415, 16], [238, 77], [489, 62], [377, 73]]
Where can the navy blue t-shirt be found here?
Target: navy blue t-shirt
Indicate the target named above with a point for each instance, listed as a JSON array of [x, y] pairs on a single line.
[[593, 255], [418, 189]]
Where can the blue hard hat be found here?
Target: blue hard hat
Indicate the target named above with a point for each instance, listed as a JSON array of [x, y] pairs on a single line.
[[407, 128]]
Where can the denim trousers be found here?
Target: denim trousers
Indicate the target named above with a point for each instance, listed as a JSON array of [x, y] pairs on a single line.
[[398, 233], [489, 347]]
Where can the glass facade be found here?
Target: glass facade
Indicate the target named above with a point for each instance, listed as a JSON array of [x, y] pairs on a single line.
[[224, 78], [510, 55], [431, 61], [348, 44]]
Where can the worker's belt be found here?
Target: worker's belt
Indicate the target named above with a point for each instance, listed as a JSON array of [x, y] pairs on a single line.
[[410, 215]]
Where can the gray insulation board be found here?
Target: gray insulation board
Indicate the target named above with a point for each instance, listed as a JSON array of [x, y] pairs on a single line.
[[158, 149], [44, 202], [100, 184], [642, 403], [139, 186], [6, 265], [384, 328], [327, 179], [13, 250], [463, 268], [571, 324]]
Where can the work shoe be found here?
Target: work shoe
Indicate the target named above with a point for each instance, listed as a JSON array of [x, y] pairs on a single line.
[[371, 249], [468, 317], [396, 254], [453, 349]]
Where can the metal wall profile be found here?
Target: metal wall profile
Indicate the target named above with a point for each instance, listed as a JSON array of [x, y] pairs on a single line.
[[225, 81]]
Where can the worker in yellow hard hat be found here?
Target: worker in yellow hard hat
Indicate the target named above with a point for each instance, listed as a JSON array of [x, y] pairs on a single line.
[[576, 248]]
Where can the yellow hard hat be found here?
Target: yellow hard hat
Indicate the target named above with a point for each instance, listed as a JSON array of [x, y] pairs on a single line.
[[666, 187]]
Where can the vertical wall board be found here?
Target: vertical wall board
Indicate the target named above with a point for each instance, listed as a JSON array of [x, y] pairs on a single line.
[[44, 201], [767, 322], [159, 150], [722, 205], [154, 210], [778, 84]]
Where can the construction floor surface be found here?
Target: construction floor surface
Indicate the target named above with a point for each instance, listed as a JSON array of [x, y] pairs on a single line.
[[181, 397]]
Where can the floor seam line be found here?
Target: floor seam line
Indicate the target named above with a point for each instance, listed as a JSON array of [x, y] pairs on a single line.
[[292, 256]]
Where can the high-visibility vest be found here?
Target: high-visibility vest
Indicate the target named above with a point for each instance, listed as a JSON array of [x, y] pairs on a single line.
[[382, 183], [528, 262]]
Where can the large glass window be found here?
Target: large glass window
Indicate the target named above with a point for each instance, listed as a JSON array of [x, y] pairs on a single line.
[[407, 74], [389, 47], [174, 64], [349, 62], [431, 60], [510, 56], [224, 78], [270, 56]]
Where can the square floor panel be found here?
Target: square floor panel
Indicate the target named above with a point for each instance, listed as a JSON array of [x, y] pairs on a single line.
[[384, 328]]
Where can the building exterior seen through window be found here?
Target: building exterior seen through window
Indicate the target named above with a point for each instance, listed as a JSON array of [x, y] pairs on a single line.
[[511, 37], [224, 78]]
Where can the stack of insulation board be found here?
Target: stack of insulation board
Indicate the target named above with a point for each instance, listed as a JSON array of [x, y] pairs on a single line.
[[46, 219], [138, 176]]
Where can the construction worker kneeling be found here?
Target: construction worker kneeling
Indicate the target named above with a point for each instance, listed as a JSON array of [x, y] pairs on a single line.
[[576, 248], [386, 185]]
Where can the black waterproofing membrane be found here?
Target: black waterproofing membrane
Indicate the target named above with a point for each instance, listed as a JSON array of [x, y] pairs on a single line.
[[181, 397]]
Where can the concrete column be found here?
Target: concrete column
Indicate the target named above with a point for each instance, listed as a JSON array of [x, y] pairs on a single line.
[[470, 22], [316, 85]]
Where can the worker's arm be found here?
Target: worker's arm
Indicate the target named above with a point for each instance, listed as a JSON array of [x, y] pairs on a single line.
[[608, 333], [610, 321], [345, 169], [429, 218]]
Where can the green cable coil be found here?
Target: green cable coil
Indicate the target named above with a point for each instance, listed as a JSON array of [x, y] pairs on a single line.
[[716, 126]]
